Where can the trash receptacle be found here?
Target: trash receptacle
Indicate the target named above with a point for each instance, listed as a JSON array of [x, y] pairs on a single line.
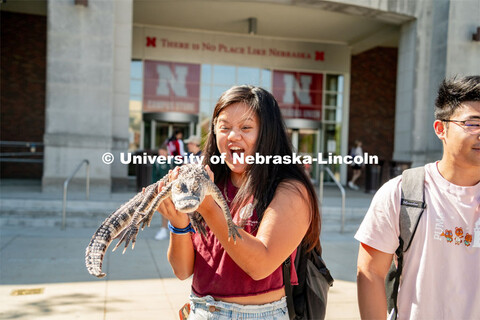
[[143, 173], [373, 177], [397, 167]]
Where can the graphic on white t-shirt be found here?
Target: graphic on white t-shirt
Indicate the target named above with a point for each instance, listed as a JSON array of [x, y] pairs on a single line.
[[476, 234], [458, 235], [439, 227], [448, 234]]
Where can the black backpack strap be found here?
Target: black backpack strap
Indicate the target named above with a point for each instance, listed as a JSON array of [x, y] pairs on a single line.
[[412, 205], [288, 288]]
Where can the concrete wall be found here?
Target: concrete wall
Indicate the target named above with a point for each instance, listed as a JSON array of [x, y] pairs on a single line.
[[121, 92], [436, 43], [87, 90], [464, 19]]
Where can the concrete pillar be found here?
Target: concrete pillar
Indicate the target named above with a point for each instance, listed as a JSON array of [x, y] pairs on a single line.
[[463, 54], [434, 46], [121, 94], [421, 67], [88, 60]]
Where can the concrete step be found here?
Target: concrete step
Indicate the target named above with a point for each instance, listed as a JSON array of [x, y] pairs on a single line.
[[48, 212], [41, 211]]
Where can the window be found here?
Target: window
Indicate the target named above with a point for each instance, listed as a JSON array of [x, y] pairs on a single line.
[[216, 79], [332, 118]]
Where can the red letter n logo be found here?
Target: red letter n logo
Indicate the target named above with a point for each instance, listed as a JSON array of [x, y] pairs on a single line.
[[151, 42]]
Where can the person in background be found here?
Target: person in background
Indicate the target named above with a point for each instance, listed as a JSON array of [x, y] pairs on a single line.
[[175, 144], [357, 169], [160, 170], [193, 145]]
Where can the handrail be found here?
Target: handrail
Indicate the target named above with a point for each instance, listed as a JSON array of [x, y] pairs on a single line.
[[26, 144], [342, 191], [20, 156], [65, 187]]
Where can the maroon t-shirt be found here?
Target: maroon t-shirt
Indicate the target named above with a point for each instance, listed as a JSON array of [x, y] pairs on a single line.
[[216, 274]]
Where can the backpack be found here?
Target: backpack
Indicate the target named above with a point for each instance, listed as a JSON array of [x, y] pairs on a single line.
[[412, 205], [308, 299]]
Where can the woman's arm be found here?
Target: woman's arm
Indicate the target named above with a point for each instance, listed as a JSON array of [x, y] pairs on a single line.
[[284, 224], [180, 253]]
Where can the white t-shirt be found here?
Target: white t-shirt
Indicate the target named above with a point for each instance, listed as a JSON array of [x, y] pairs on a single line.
[[441, 273]]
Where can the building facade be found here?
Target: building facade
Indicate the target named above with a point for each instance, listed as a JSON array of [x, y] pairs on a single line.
[[119, 76]]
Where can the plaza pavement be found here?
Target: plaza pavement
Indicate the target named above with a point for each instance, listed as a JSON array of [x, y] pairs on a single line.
[[43, 274]]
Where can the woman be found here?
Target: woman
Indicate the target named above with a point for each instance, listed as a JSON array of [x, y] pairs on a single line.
[[275, 204], [357, 169]]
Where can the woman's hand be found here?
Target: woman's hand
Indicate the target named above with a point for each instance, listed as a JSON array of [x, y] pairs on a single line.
[[167, 208]]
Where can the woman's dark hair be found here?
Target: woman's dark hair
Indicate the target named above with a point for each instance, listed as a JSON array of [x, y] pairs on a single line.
[[173, 137], [262, 180], [453, 92]]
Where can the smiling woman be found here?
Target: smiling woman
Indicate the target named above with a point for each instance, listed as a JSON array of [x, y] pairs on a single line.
[[274, 204]]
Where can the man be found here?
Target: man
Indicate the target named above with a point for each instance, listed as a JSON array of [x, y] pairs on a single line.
[[441, 269], [193, 146]]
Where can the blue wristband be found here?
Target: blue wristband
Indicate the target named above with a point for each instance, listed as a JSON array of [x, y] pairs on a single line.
[[186, 230]]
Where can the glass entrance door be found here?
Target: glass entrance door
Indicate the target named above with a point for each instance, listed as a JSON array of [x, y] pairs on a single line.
[[157, 132], [306, 142]]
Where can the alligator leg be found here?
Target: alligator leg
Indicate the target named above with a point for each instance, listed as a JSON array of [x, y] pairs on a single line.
[[198, 223], [148, 217], [153, 201], [213, 190]]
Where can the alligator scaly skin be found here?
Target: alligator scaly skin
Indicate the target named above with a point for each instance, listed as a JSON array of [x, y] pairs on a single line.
[[187, 193]]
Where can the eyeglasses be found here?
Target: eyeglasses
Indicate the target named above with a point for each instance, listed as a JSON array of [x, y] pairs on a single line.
[[471, 126]]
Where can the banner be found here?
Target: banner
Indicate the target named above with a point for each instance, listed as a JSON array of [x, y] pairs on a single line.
[[299, 94], [171, 87]]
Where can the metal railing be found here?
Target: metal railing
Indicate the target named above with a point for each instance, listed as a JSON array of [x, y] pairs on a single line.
[[65, 187], [21, 156], [342, 191]]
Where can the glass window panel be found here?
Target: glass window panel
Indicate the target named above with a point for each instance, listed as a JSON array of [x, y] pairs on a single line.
[[330, 114], [206, 73], [206, 107], [224, 75], [332, 83], [340, 84], [331, 100], [339, 101], [266, 79], [205, 91], [136, 69], [339, 116], [136, 87], [218, 90], [249, 76]]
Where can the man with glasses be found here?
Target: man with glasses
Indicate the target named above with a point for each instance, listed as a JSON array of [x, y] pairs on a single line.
[[441, 269]]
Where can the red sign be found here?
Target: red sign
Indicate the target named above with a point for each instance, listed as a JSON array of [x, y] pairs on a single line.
[[220, 47], [299, 94], [171, 87]]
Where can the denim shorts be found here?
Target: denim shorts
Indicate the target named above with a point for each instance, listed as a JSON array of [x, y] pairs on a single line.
[[208, 308]]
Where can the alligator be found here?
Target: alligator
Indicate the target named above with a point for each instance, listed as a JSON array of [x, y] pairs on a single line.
[[187, 193]]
